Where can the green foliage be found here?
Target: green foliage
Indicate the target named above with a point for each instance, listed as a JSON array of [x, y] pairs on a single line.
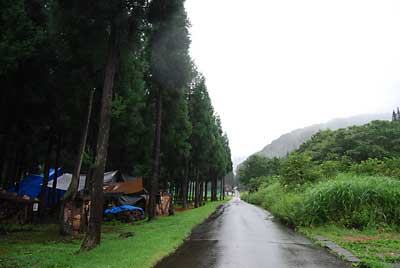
[[353, 201], [257, 166], [349, 200], [298, 169], [329, 169], [378, 139], [22, 32], [387, 167]]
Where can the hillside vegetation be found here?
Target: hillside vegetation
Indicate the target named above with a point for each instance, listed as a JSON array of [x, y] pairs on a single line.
[[291, 141], [349, 178]]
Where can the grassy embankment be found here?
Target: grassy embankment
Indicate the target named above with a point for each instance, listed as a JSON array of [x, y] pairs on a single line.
[[361, 214], [41, 246]]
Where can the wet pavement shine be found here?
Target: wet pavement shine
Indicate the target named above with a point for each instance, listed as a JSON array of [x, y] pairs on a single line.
[[241, 235]]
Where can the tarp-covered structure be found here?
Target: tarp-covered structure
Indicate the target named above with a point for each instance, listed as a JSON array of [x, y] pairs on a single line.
[[31, 185], [125, 189], [64, 180], [127, 192]]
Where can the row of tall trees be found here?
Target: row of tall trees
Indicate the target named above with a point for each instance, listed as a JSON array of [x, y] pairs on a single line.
[[97, 85]]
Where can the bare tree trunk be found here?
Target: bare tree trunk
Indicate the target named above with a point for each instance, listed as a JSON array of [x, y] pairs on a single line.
[[214, 188], [42, 195], [190, 192], [57, 163], [3, 161], [201, 198], [69, 197], [197, 189], [156, 163], [185, 186], [205, 191], [223, 188], [193, 191], [93, 235]]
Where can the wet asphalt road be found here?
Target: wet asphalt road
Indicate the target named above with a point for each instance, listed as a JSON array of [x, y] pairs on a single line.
[[241, 235]]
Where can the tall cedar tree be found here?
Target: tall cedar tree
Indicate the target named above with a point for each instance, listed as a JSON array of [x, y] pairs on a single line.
[[121, 19], [170, 69]]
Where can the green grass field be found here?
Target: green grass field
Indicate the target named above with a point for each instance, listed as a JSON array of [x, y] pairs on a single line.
[[41, 246]]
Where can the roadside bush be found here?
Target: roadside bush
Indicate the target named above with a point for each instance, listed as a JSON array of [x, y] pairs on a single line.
[[285, 205], [255, 183], [331, 168], [353, 201], [298, 169], [349, 200], [387, 167]]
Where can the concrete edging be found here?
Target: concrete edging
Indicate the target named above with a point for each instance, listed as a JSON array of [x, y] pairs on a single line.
[[336, 249]]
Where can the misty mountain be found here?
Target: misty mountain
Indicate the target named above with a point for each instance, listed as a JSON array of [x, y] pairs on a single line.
[[291, 141]]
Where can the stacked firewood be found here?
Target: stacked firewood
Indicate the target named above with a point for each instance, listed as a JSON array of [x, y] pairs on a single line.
[[125, 216], [16, 209]]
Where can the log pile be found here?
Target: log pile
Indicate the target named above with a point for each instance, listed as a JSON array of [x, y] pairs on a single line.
[[16, 209], [163, 204], [125, 216]]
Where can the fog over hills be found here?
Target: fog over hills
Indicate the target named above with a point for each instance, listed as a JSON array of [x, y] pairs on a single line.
[[291, 141]]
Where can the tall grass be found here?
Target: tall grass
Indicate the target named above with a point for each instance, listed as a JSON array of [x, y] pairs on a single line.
[[349, 200], [354, 201]]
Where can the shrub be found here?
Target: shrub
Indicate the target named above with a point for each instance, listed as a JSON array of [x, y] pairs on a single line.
[[329, 169], [275, 198], [298, 169], [353, 201], [387, 167]]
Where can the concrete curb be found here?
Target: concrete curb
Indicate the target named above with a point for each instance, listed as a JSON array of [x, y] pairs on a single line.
[[341, 252]]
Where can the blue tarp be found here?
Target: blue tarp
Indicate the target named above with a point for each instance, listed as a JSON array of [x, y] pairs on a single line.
[[32, 184], [117, 210]]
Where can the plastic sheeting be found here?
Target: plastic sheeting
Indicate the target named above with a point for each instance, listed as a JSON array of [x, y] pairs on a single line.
[[117, 210], [64, 181], [32, 184], [130, 200]]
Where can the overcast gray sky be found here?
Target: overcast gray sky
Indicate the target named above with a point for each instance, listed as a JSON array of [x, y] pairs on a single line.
[[276, 65]]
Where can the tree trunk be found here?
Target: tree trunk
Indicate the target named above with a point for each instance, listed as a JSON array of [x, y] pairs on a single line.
[[46, 171], [190, 191], [93, 235], [223, 188], [185, 186], [214, 188], [220, 190], [197, 189], [57, 163], [69, 197], [205, 191], [156, 163], [201, 196], [193, 191], [3, 161]]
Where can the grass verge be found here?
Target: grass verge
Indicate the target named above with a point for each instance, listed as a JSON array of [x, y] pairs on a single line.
[[42, 247], [376, 247]]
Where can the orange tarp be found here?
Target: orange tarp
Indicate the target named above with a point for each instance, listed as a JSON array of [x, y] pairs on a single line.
[[129, 187]]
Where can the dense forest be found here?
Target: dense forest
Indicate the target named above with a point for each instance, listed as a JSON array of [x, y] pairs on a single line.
[[103, 85]]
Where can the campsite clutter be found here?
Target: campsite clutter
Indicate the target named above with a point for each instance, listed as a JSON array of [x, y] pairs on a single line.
[[125, 199]]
